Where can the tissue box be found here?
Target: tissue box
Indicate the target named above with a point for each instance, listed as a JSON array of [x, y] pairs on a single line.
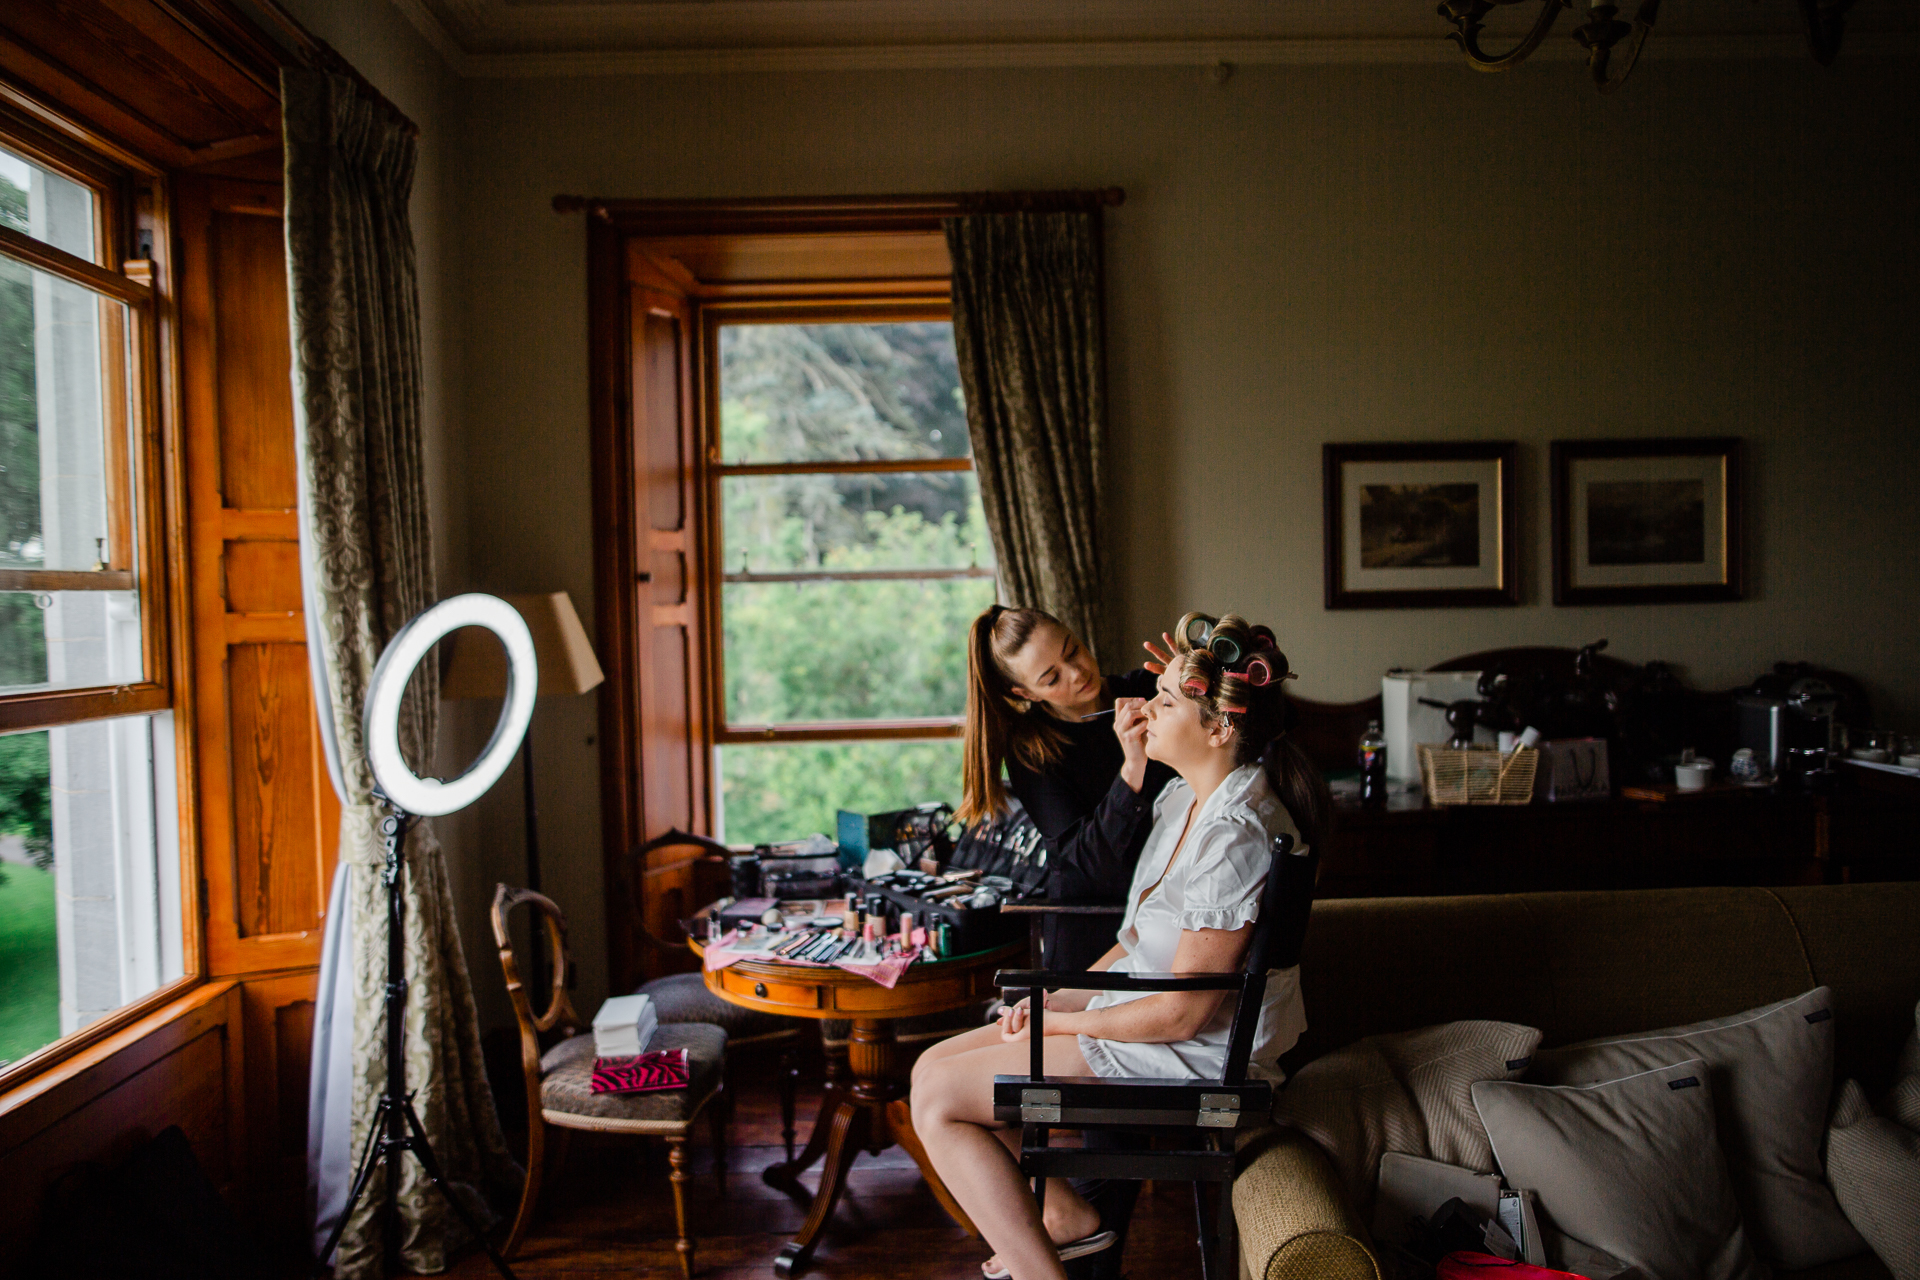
[[623, 1026]]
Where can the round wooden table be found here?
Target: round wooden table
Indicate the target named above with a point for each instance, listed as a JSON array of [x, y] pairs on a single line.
[[872, 1111]]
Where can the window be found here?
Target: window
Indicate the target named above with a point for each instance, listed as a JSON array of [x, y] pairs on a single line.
[[853, 554], [90, 909]]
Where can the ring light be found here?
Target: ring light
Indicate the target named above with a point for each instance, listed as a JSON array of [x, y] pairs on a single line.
[[430, 797]]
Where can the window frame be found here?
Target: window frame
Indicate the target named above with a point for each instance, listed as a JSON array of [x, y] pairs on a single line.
[[877, 303], [145, 502]]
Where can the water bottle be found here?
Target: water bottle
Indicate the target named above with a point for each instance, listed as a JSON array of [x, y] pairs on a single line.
[[1373, 767]]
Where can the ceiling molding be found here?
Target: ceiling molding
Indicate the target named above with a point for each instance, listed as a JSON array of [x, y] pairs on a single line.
[[936, 54]]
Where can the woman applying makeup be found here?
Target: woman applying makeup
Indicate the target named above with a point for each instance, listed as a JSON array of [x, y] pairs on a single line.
[[1031, 685], [1217, 718]]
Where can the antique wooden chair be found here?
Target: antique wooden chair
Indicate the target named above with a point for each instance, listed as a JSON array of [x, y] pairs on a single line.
[[560, 1081], [684, 997], [1202, 1115]]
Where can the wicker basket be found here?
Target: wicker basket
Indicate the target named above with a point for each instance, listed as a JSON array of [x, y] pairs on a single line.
[[1477, 775]]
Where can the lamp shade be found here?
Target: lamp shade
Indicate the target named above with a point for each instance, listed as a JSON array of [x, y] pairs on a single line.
[[567, 664]]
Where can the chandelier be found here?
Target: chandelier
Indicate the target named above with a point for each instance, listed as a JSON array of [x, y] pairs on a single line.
[[1825, 20]]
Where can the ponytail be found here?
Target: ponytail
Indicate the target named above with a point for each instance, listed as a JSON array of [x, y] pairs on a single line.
[[1302, 790], [1000, 727]]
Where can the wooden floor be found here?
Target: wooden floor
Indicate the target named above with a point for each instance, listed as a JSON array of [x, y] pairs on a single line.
[[610, 1212]]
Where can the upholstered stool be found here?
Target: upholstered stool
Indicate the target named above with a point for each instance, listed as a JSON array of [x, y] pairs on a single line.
[[684, 998]]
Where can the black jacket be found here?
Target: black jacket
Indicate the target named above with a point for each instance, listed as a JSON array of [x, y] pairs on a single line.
[[1094, 826]]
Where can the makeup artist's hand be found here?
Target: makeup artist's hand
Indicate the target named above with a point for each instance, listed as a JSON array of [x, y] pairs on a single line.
[[1130, 726], [1162, 658]]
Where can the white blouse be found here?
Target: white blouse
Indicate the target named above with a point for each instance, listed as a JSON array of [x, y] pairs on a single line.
[[1215, 884]]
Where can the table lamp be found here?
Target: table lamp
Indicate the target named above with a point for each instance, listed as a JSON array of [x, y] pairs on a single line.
[[567, 666]]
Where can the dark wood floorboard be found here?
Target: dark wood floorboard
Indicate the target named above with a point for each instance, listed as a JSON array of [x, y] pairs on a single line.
[[610, 1212]]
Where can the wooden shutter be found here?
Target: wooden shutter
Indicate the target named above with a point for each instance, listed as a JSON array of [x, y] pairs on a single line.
[[654, 750]]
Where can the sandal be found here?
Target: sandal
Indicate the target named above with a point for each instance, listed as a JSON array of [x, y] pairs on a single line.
[[1068, 1252]]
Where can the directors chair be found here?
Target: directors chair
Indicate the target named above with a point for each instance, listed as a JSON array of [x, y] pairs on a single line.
[[1201, 1115]]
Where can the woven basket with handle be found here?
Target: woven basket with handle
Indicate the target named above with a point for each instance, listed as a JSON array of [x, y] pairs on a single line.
[[1477, 775]]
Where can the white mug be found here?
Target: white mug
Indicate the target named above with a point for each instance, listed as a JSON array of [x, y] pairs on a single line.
[[1693, 775]]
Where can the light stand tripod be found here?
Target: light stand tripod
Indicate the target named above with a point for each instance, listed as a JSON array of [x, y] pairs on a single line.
[[396, 1125]]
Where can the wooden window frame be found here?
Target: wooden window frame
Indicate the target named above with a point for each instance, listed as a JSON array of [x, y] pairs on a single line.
[[883, 305], [146, 502]]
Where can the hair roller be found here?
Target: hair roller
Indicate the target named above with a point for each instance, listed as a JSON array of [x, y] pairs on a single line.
[[1233, 693], [1259, 672], [1230, 639], [1193, 631], [1197, 674]]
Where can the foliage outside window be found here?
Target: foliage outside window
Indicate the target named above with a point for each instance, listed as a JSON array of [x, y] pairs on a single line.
[[854, 553], [90, 911]]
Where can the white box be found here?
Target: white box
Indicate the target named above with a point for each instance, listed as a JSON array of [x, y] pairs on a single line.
[[1407, 723], [624, 1026]]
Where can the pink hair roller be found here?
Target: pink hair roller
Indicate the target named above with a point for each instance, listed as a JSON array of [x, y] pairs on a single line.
[[1194, 685], [1259, 671]]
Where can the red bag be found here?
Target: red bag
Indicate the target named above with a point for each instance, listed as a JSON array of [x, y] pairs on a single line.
[[661, 1069], [1484, 1266]]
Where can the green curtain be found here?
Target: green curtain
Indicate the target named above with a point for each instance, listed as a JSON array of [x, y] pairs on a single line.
[[1027, 329], [367, 568]]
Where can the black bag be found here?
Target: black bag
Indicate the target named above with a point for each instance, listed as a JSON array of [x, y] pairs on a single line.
[[1008, 846]]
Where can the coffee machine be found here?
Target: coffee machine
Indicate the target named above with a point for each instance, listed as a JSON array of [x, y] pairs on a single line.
[[1786, 712]]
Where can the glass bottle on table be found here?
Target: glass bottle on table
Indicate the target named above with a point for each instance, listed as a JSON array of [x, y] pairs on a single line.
[[1373, 767]]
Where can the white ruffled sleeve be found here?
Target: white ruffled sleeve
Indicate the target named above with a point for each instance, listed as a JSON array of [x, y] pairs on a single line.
[[1229, 872]]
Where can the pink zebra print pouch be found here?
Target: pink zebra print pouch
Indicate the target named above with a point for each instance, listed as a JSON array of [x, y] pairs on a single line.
[[645, 1073]]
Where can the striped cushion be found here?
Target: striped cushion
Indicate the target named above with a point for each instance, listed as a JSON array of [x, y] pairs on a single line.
[[566, 1081], [1873, 1164], [1409, 1092], [683, 997]]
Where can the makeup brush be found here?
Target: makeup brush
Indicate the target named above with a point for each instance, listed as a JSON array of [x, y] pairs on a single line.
[[1098, 714]]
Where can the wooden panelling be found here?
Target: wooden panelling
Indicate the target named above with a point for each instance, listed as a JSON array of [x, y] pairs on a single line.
[[279, 1021], [251, 333], [263, 577], [181, 1065], [276, 868]]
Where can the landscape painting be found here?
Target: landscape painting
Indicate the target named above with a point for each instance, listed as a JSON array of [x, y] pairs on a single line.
[[1648, 521], [1419, 525]]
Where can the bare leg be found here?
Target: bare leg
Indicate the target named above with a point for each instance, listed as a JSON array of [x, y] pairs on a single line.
[[953, 1111]]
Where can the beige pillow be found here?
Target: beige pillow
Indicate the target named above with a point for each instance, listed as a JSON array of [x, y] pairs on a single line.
[[1405, 1092], [1629, 1167], [1874, 1165], [1903, 1102], [1772, 1074]]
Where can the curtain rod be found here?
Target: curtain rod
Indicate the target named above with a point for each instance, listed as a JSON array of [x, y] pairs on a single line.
[[317, 55], [827, 208]]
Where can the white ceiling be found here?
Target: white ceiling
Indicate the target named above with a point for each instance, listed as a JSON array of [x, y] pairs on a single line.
[[566, 37]]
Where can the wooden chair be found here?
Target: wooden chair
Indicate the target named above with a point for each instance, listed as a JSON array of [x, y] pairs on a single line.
[[560, 1081], [1203, 1114], [683, 997]]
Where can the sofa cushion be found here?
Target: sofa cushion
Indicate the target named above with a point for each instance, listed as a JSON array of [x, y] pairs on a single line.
[[1903, 1100], [1860, 941], [1629, 1167], [1772, 1072], [1873, 1162], [1408, 1092]]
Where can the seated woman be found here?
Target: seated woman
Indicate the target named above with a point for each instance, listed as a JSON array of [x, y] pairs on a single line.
[[1217, 718]]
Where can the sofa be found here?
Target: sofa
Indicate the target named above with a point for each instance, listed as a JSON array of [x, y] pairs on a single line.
[[1576, 966]]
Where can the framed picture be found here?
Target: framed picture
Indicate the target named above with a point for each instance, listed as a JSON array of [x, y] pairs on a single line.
[[1419, 526], [1648, 521]]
